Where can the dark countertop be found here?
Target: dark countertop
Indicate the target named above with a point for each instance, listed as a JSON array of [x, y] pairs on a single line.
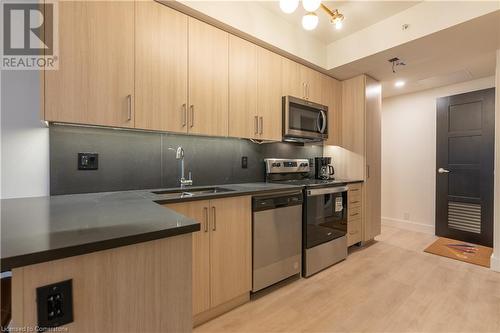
[[41, 229]]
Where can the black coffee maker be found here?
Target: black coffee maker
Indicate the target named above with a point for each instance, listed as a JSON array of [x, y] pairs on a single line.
[[323, 168]]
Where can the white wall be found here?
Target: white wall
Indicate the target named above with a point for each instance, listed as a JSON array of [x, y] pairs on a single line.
[[409, 154], [24, 145]]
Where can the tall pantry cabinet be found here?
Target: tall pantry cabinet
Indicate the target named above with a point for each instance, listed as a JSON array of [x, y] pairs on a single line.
[[361, 136]]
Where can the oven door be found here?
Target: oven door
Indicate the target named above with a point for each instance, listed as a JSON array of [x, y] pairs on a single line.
[[325, 215], [304, 119]]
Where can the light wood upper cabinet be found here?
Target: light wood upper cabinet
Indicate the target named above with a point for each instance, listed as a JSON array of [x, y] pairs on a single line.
[[95, 81], [353, 115], [222, 259], [208, 79], [332, 97], [243, 117], [291, 80], [198, 211], [161, 68], [269, 94], [312, 81], [254, 91]]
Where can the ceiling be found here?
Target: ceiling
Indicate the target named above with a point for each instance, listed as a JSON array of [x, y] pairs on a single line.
[[358, 15], [460, 53]]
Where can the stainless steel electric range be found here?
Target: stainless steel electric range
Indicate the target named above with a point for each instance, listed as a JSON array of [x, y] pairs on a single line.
[[324, 216]]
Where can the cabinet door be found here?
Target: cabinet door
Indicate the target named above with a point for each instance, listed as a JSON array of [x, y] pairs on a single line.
[[160, 68], [230, 247], [243, 121], [313, 81], [199, 211], [208, 79], [372, 186], [332, 96], [353, 115], [269, 94], [290, 79], [95, 81]]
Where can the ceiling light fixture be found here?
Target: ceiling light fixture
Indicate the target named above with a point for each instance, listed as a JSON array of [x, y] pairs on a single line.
[[289, 6], [399, 83], [311, 5], [310, 20]]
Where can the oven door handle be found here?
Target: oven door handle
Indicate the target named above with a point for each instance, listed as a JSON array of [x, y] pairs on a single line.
[[326, 190]]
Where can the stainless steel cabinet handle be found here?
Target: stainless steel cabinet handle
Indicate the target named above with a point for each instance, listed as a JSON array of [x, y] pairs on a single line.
[[184, 115], [261, 125], [205, 209], [256, 125], [441, 170], [354, 214], [214, 218], [304, 90], [129, 107], [353, 202], [307, 90], [191, 108], [367, 171]]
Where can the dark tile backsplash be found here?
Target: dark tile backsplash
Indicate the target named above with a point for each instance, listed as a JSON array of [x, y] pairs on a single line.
[[131, 160]]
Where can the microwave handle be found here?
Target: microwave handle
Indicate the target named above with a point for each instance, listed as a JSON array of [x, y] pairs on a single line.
[[323, 125]]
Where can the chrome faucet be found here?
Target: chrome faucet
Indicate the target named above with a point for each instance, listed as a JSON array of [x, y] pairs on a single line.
[[179, 155]]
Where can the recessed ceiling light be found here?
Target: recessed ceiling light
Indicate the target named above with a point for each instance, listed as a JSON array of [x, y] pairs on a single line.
[[399, 83]]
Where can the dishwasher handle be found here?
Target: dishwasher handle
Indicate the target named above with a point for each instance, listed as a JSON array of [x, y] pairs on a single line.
[[274, 201]]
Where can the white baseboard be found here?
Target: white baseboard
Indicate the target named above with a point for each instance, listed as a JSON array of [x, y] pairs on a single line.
[[408, 225], [495, 263]]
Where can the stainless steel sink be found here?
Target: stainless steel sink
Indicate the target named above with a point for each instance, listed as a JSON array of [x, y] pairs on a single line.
[[186, 193]]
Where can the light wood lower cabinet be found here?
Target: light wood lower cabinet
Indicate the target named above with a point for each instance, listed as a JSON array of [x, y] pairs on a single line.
[[354, 214], [95, 80], [143, 287], [161, 69], [221, 251]]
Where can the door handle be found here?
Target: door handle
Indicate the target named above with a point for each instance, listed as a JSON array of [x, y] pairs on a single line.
[[191, 108], [129, 107], [256, 125], [261, 124], [205, 209], [214, 218], [441, 170], [184, 114]]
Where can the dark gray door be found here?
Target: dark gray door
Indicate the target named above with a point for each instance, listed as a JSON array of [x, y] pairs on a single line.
[[465, 160]]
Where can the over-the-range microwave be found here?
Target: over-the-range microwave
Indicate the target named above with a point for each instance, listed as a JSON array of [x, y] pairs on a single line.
[[304, 121]]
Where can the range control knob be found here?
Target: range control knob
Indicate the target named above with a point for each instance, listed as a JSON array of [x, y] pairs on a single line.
[[276, 165]]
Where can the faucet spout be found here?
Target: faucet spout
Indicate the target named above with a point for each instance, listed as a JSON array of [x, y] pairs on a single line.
[[179, 155]]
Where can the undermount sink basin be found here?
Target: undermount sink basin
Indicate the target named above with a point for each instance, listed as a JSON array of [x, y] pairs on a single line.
[[186, 193]]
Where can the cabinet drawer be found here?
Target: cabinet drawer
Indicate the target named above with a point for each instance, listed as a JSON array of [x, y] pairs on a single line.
[[354, 213], [353, 232], [354, 188], [354, 200]]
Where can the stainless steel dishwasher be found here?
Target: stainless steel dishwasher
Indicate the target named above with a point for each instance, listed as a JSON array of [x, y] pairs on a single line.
[[277, 237]]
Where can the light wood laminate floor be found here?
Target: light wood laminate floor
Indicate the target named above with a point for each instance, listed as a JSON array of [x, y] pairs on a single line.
[[389, 286]]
